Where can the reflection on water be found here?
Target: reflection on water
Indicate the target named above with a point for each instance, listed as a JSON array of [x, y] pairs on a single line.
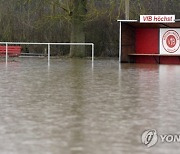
[[72, 108]]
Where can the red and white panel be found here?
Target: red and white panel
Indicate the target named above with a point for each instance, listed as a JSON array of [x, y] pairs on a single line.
[[169, 41]]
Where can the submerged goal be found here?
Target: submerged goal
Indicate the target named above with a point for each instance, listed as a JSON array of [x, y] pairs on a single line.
[[48, 47]]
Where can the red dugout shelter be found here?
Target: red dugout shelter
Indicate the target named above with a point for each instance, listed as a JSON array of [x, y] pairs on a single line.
[[153, 39]]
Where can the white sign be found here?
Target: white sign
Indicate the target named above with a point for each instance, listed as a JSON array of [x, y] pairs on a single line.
[[169, 41], [157, 18]]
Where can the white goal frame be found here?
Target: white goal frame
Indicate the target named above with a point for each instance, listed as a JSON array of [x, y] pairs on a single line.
[[48, 45]]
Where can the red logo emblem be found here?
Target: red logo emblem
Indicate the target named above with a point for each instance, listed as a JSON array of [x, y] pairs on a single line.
[[171, 41]]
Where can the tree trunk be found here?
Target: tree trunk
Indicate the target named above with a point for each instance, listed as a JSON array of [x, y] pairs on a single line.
[[77, 29]]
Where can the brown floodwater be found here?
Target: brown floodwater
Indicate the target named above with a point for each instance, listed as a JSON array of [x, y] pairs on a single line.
[[72, 107]]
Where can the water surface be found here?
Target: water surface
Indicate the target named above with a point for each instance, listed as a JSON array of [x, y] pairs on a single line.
[[71, 107]]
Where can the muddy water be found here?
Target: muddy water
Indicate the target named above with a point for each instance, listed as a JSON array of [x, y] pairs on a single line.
[[71, 107]]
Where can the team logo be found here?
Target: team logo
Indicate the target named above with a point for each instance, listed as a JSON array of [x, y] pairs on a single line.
[[149, 138], [171, 41]]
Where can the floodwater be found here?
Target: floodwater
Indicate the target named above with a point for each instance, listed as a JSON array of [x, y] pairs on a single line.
[[72, 107]]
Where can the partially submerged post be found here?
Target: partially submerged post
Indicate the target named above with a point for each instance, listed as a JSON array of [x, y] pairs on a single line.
[[6, 52], [49, 52], [120, 36]]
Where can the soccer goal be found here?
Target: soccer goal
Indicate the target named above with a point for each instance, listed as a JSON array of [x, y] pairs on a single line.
[[7, 48]]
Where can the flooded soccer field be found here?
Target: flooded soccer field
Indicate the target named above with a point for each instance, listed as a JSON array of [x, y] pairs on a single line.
[[72, 107]]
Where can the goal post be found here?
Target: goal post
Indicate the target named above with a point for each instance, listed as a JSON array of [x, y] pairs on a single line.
[[48, 46]]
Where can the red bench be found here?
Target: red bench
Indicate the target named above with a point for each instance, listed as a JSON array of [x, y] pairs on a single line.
[[13, 51]]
